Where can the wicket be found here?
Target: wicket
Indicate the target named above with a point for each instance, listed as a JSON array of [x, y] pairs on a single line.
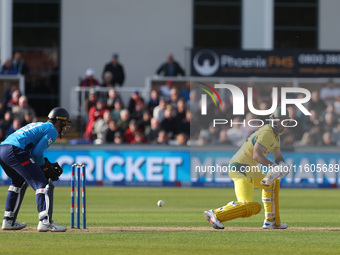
[[76, 169]]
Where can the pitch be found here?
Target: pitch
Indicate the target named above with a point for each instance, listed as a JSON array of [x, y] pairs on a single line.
[[128, 221]]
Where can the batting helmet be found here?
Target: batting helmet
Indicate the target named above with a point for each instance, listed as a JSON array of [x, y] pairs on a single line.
[[278, 116]]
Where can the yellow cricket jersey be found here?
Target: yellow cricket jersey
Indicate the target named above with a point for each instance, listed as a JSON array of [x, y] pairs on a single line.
[[266, 136]]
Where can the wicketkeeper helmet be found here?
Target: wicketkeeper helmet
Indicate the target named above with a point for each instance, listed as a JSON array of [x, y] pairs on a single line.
[[60, 114]]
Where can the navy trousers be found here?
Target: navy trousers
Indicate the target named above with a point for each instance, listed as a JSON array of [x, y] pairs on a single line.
[[19, 166]]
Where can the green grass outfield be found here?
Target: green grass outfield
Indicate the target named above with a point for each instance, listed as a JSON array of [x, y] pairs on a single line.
[[128, 221]]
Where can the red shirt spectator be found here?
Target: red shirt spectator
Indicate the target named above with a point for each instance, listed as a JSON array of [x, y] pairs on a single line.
[[130, 132], [89, 80], [95, 113]]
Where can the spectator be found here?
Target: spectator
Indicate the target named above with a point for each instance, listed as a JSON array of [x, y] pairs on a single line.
[[119, 138], [2, 137], [144, 122], [162, 138], [2, 108], [6, 122], [22, 108], [329, 121], [95, 113], [316, 134], [170, 68], [9, 92], [16, 124], [134, 99], [169, 123], [113, 97], [15, 99], [312, 119], [184, 126], [224, 111], [123, 123], [329, 93], [288, 140], [194, 103], [154, 100], [107, 79], [158, 111], [235, 134], [306, 140], [112, 130], [8, 68], [181, 139], [185, 93], [316, 103], [166, 89], [137, 114], [296, 131], [90, 80], [180, 111], [116, 69], [329, 109], [151, 132], [91, 100], [213, 133], [223, 138], [139, 138], [336, 133], [129, 133], [174, 97], [100, 127], [249, 129], [28, 118], [115, 113], [327, 139], [19, 64], [203, 137]]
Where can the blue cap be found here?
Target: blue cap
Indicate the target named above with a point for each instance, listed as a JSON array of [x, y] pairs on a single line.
[[135, 91], [115, 55]]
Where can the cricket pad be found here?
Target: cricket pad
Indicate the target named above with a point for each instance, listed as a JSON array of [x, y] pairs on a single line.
[[234, 210]]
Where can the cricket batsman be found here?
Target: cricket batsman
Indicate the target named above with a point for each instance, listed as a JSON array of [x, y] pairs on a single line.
[[245, 172]]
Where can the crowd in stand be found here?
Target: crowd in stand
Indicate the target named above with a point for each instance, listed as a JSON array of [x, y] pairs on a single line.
[[152, 121], [165, 117], [15, 112]]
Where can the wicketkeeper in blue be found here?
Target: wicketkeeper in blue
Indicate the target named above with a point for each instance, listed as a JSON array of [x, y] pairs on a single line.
[[22, 159]]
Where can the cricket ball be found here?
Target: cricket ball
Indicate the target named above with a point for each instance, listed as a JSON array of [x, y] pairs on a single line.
[[160, 203]]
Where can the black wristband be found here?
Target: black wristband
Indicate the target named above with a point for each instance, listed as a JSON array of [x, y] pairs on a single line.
[[278, 160]]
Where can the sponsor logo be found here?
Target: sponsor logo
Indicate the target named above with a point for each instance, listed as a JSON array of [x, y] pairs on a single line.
[[206, 62]]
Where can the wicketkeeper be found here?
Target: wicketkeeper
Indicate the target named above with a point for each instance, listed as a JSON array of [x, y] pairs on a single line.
[[246, 174], [22, 158]]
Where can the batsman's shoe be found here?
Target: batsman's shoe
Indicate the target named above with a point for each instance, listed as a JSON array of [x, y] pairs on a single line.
[[267, 224], [9, 225], [211, 217], [47, 226]]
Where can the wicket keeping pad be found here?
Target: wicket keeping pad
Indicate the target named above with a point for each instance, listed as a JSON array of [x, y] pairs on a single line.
[[234, 210]]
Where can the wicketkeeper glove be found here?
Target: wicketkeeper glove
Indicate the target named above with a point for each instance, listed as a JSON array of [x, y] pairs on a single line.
[[51, 170]]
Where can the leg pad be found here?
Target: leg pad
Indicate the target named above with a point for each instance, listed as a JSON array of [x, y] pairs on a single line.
[[234, 210]]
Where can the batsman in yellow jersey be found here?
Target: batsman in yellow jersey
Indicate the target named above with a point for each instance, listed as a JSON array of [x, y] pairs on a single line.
[[246, 174]]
